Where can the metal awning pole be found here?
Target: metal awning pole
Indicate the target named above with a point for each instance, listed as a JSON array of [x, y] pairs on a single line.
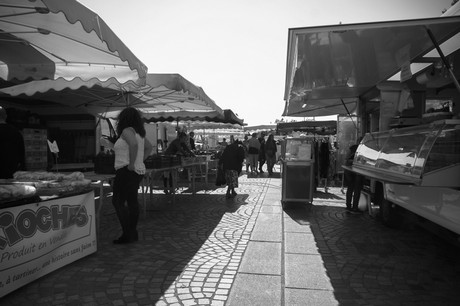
[[443, 58], [348, 112]]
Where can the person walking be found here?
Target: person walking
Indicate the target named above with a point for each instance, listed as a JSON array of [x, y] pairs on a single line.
[[354, 183], [191, 135], [131, 149], [177, 147], [224, 144], [12, 154], [232, 161], [270, 153], [245, 144], [261, 152], [253, 152]]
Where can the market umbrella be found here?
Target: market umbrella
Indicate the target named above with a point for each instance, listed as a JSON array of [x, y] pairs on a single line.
[[209, 116], [54, 39], [230, 124], [172, 93], [210, 120], [171, 97], [77, 96], [231, 117], [259, 128], [165, 96]]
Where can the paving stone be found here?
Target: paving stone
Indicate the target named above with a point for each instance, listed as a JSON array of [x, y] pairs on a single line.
[[306, 271], [268, 228], [271, 209], [300, 243], [255, 289], [262, 258], [297, 221], [310, 297]]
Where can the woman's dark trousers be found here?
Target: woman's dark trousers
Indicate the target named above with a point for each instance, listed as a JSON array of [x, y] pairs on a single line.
[[125, 192]]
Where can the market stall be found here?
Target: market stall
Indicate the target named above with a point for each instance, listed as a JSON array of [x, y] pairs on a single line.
[[67, 110], [187, 120], [57, 58], [51, 51], [379, 76], [48, 221]]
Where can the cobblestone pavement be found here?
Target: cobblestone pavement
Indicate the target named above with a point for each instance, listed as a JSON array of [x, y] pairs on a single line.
[[188, 253], [192, 252]]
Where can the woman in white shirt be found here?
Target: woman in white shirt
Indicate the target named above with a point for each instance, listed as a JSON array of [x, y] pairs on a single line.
[[131, 149]]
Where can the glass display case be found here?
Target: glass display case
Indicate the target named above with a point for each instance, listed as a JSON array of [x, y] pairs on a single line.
[[297, 170], [422, 155], [417, 168], [298, 149]]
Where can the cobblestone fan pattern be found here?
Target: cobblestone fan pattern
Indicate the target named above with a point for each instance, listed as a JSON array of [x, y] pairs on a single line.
[[370, 264], [188, 253]]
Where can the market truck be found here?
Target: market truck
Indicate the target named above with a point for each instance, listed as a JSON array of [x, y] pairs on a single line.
[[415, 169]]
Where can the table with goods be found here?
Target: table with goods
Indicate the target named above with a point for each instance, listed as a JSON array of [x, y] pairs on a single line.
[[158, 164]]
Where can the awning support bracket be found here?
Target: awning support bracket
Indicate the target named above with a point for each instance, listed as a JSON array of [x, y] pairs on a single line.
[[443, 58], [348, 112]]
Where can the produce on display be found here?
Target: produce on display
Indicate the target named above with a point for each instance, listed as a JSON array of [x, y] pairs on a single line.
[[27, 184]]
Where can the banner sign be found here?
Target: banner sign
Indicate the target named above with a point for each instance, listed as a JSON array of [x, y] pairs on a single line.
[[38, 238]]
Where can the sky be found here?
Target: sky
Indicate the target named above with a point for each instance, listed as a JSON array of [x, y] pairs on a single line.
[[236, 50]]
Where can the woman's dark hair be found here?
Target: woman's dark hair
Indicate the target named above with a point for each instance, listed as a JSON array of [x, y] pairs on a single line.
[[130, 117]]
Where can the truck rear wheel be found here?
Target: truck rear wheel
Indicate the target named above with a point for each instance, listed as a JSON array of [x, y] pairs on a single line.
[[387, 210], [389, 214]]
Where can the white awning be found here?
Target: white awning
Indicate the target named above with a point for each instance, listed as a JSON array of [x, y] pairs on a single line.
[[329, 63]]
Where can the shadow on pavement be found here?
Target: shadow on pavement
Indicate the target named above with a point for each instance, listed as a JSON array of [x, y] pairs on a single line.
[[370, 264], [326, 196], [299, 213]]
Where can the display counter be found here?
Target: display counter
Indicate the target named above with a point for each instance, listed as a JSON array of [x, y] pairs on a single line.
[[426, 155], [417, 168], [38, 238]]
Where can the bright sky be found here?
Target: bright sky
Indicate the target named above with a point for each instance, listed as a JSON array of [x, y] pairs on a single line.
[[236, 50]]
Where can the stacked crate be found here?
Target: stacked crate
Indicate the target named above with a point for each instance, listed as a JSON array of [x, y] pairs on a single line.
[[36, 149]]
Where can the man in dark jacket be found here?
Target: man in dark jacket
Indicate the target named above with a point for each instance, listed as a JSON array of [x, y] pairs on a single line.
[[262, 152], [232, 163], [192, 141], [354, 183], [177, 147], [270, 153]]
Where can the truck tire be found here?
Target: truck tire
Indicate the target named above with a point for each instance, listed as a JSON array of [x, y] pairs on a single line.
[[389, 214]]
